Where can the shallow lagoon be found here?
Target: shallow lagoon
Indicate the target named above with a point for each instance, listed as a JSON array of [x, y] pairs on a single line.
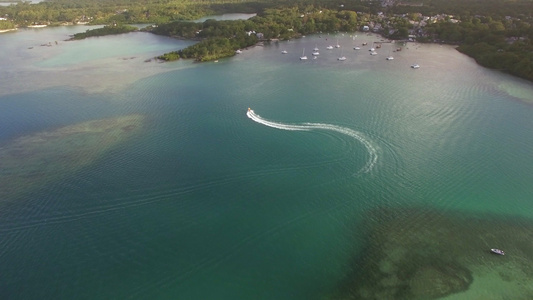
[[208, 204]]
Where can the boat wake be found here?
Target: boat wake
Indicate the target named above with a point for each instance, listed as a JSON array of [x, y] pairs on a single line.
[[319, 126]]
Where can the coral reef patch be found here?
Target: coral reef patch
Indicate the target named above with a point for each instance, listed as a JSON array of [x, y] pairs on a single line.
[[420, 254], [31, 161]]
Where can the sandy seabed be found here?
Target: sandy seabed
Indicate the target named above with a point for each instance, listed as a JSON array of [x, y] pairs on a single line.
[[109, 75]]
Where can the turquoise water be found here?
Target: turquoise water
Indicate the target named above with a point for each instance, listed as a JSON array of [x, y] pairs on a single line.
[[211, 203]]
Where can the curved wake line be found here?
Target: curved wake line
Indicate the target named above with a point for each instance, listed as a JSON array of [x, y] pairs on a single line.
[[317, 126]]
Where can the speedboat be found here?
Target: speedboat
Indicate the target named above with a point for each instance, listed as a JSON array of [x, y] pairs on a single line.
[[329, 47], [356, 48], [415, 66], [284, 52], [238, 51], [342, 58], [497, 251], [315, 53]]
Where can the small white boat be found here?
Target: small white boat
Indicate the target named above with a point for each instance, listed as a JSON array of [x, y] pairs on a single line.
[[329, 47], [315, 53], [238, 51], [337, 46], [390, 57], [497, 251], [415, 66], [315, 49], [356, 48], [284, 52], [372, 49], [342, 58], [373, 53]]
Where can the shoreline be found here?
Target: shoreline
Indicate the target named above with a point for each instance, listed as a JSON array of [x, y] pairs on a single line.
[[8, 30]]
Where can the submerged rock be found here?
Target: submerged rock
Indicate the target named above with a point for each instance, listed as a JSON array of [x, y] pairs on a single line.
[[32, 161]]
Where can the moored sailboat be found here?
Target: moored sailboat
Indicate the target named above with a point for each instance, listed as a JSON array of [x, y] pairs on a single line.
[[303, 57]]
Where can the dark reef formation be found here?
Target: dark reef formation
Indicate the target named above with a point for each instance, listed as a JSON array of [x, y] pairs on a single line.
[[32, 161], [420, 254]]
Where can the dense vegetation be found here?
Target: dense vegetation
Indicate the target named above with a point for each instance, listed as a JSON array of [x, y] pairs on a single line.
[[4, 24], [497, 43], [219, 38], [106, 30], [57, 12], [516, 59], [272, 23], [501, 8], [146, 11]]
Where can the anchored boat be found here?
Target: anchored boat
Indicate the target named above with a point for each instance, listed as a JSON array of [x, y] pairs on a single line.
[[497, 251]]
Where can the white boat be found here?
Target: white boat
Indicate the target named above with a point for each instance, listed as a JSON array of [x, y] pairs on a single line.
[[238, 51], [329, 47], [315, 53], [337, 46], [356, 48], [315, 49], [342, 57], [415, 66], [303, 57], [372, 49], [284, 52], [497, 251], [373, 53], [390, 57]]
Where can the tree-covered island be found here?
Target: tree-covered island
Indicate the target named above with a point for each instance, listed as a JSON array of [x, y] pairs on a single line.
[[106, 30], [222, 38], [497, 33]]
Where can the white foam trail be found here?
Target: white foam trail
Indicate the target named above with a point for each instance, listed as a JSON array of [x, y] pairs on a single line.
[[317, 126]]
